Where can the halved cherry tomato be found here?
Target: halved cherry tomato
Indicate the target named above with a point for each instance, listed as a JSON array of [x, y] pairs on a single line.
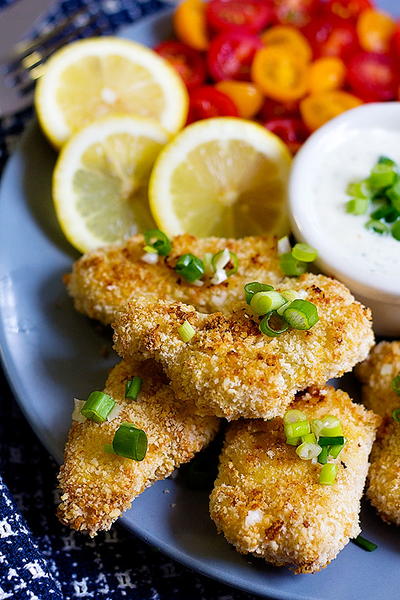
[[295, 12], [375, 30], [246, 96], [331, 36], [271, 110], [317, 109], [348, 9], [187, 62], [288, 38], [327, 73], [292, 131], [280, 74], [373, 77], [207, 102], [395, 43], [190, 24], [231, 54], [239, 15]]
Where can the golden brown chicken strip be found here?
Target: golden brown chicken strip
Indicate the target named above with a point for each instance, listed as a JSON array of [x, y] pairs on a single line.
[[229, 368], [377, 374], [97, 487], [269, 502], [103, 280]]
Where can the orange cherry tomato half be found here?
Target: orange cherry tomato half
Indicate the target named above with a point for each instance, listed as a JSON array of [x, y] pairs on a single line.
[[327, 73], [231, 54], [373, 77], [207, 102], [375, 30], [187, 62], [288, 38], [245, 95], [239, 15], [348, 9], [190, 24], [280, 74], [318, 109], [291, 131]]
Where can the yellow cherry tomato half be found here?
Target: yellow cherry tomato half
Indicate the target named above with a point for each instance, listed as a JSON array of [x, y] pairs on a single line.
[[327, 73], [318, 109], [280, 74], [190, 24], [375, 30], [245, 95], [288, 38]]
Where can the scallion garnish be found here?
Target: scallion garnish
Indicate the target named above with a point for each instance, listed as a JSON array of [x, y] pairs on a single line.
[[308, 451], [301, 314], [331, 441], [289, 296], [357, 206], [265, 302], [273, 325], [293, 416], [328, 474], [130, 442], [291, 266], [225, 258], [253, 288], [297, 429], [190, 267], [382, 175], [364, 543], [334, 451], [396, 231], [376, 226], [157, 240], [97, 407], [323, 455], [396, 415], [304, 253], [133, 388], [396, 384], [186, 331], [330, 427]]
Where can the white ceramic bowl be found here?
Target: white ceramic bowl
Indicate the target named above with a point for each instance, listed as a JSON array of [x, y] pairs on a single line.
[[380, 292]]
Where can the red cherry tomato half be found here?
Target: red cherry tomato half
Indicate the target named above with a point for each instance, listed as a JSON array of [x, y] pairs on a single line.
[[292, 131], [239, 15], [395, 43], [272, 109], [231, 54], [348, 9], [295, 12], [187, 62], [373, 77], [332, 36], [207, 102]]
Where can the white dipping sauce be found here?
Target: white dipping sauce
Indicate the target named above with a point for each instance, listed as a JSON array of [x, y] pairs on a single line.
[[372, 256]]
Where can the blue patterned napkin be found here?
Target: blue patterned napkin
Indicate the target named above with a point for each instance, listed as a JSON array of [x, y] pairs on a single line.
[[39, 558]]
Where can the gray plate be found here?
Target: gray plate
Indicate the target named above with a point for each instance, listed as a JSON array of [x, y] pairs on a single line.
[[51, 354]]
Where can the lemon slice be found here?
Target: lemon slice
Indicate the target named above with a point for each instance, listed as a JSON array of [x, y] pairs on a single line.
[[93, 78], [225, 177], [101, 178]]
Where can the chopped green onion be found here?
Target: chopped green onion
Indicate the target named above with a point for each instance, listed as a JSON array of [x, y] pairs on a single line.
[[301, 314], [298, 429], [133, 388], [309, 438], [190, 267], [396, 231], [159, 241], [130, 442], [386, 212], [208, 268], [273, 325], [396, 415], [385, 160], [150, 250], [222, 259], [294, 416], [328, 473], [264, 302], [359, 189], [334, 451], [357, 206], [316, 426], [331, 427], [331, 441], [304, 253], [186, 331], [364, 544], [293, 441], [323, 455], [376, 226], [289, 295], [382, 175], [253, 288], [290, 266], [396, 384], [393, 193], [308, 451], [97, 407]]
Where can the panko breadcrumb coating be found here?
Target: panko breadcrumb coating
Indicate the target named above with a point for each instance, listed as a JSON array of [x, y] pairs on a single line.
[[269, 502], [97, 487], [103, 280], [376, 375], [229, 368]]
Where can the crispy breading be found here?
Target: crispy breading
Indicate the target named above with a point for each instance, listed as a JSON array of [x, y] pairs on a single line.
[[269, 502], [376, 374], [103, 280], [96, 487], [229, 368]]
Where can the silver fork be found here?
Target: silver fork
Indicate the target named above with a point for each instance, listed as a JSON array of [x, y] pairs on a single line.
[[25, 63]]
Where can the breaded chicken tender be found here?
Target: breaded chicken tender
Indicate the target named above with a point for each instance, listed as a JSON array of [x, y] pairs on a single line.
[[229, 368], [269, 502], [96, 487], [376, 374], [103, 280]]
